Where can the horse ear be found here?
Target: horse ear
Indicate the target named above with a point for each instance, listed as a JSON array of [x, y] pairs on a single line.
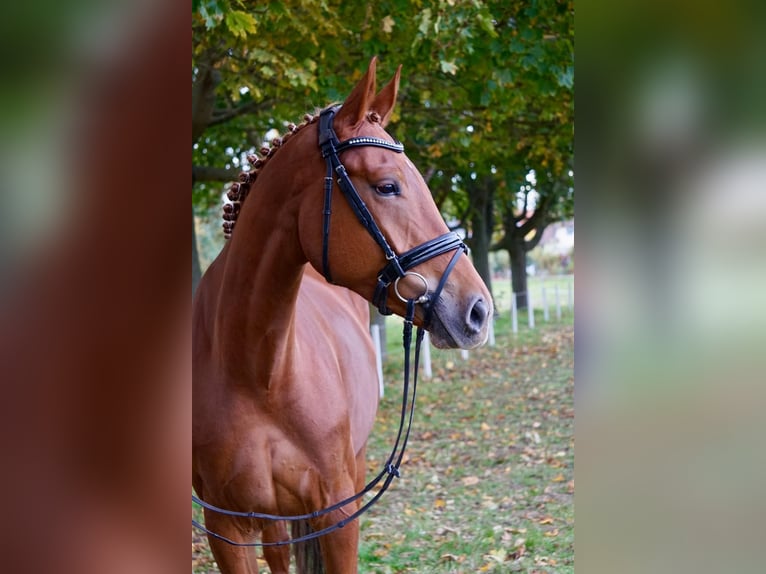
[[358, 102], [386, 100]]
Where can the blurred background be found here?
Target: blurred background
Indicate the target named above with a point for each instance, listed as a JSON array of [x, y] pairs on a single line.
[[95, 414], [671, 158]]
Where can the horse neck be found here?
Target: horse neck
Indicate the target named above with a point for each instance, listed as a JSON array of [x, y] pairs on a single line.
[[264, 264]]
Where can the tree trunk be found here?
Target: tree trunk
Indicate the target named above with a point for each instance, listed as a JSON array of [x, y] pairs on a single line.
[[203, 99], [196, 267], [518, 254], [480, 197], [480, 249]]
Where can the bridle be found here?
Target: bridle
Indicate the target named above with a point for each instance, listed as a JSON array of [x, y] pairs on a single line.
[[398, 266]]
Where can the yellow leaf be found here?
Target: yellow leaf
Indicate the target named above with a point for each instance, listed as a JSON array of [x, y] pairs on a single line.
[[440, 503], [558, 478], [387, 24], [551, 533], [546, 520]]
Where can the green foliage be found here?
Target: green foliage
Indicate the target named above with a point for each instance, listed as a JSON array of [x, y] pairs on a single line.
[[240, 23], [487, 86]]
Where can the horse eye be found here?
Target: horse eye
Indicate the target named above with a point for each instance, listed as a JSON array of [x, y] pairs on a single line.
[[387, 189]]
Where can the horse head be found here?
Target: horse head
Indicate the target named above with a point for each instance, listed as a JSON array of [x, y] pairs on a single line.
[[396, 197]]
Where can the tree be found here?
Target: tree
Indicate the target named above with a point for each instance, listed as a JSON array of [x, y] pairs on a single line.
[[486, 89], [502, 105], [525, 220]]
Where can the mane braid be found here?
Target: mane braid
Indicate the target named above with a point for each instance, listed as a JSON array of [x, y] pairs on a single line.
[[239, 190]]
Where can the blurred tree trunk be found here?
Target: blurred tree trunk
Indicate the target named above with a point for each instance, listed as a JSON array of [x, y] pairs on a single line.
[[481, 193], [518, 256], [517, 241]]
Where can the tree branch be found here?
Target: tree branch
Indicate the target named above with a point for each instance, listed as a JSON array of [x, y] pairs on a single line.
[[532, 243], [209, 173], [538, 217], [203, 98], [223, 116], [526, 204]]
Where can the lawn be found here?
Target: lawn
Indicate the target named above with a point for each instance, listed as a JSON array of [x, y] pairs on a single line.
[[487, 482]]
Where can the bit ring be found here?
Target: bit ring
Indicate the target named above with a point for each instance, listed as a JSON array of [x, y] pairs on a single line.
[[423, 297]]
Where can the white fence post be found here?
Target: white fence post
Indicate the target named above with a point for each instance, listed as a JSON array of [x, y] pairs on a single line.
[[464, 354], [530, 310], [491, 332], [375, 332], [558, 303], [546, 315], [427, 371]]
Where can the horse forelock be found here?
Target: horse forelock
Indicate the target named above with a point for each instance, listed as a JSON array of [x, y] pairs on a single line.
[[239, 190]]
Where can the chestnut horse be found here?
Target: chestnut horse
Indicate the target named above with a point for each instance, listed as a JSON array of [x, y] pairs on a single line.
[[284, 380]]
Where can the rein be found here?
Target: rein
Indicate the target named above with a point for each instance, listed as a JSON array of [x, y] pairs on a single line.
[[398, 266], [387, 475]]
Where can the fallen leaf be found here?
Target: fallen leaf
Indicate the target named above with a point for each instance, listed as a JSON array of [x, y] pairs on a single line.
[[387, 24], [499, 555], [470, 480]]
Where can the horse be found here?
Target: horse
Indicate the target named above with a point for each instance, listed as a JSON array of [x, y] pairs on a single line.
[[284, 380]]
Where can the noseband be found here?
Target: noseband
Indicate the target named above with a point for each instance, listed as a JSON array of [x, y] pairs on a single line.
[[398, 266]]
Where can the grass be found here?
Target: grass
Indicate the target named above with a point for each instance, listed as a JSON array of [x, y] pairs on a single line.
[[487, 482]]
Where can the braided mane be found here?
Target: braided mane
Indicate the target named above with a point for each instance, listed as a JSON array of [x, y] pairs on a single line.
[[239, 190]]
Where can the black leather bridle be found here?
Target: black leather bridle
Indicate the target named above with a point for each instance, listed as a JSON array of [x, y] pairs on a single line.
[[398, 266]]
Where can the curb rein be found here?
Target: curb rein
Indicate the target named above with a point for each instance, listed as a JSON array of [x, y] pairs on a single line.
[[398, 266]]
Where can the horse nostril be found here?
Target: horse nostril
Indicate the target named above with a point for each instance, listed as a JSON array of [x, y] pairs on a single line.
[[477, 316]]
